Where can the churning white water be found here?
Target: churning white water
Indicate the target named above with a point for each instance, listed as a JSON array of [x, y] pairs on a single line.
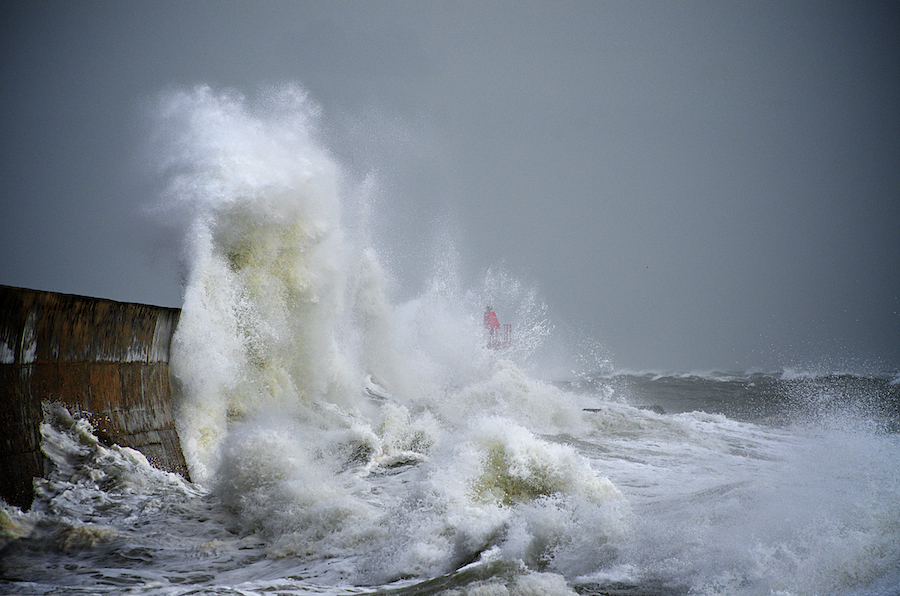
[[343, 442]]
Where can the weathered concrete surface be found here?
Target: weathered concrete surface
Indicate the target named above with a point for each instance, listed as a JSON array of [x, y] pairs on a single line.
[[108, 360]]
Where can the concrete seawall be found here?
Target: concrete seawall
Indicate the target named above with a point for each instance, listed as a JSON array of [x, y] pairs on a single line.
[[104, 359]]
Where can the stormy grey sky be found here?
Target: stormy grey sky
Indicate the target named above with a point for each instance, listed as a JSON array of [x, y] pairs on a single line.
[[695, 185]]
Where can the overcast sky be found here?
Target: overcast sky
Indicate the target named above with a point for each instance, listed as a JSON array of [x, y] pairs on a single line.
[[695, 185]]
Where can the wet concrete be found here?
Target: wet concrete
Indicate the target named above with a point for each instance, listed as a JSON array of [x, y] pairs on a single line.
[[102, 359]]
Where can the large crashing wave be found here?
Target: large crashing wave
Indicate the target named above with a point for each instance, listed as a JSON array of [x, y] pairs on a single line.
[[305, 394], [265, 259]]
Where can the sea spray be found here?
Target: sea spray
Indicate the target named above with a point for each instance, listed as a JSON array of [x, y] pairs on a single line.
[[284, 305], [265, 260], [326, 417]]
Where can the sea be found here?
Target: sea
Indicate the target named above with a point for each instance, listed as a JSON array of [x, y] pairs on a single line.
[[343, 440]]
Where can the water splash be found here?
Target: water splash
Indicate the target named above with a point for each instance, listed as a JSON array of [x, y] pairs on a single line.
[[284, 305]]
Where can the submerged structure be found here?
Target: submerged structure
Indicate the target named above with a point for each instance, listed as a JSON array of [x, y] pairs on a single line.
[[103, 359]]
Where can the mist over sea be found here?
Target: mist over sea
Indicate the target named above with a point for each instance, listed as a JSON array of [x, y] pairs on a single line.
[[342, 441]]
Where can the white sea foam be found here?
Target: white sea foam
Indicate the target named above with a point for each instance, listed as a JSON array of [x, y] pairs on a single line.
[[304, 391]]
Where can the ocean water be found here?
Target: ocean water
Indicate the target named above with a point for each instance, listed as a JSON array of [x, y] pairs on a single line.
[[342, 441]]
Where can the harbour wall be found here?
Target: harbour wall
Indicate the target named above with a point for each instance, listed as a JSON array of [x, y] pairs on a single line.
[[102, 359]]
